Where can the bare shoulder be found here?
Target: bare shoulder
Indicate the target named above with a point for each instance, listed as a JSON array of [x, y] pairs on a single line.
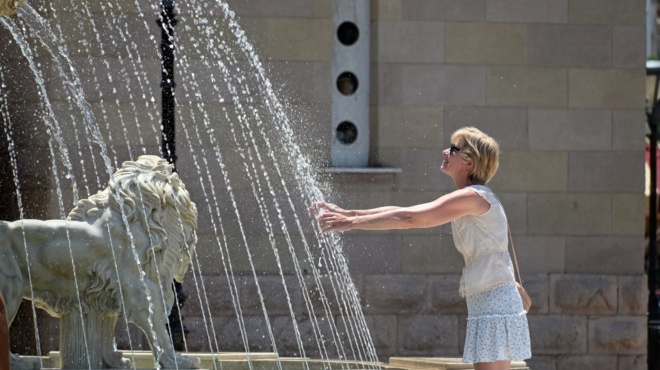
[[466, 194], [471, 200]]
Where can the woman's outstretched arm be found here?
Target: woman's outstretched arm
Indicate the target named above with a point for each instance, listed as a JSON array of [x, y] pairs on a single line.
[[449, 207], [320, 207]]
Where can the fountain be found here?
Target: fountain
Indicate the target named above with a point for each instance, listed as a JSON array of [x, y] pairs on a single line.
[[109, 262]]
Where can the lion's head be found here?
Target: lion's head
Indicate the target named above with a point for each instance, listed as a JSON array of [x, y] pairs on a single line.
[[148, 193]]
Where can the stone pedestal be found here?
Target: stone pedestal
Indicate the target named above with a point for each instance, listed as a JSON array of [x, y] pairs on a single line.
[[267, 361], [439, 363]]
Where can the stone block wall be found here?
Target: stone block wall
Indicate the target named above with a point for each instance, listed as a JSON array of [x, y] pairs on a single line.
[[559, 83]]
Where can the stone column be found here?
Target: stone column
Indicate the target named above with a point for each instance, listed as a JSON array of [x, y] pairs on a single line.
[[87, 343]]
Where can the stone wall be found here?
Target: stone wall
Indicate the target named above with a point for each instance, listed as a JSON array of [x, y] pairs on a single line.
[[560, 84]]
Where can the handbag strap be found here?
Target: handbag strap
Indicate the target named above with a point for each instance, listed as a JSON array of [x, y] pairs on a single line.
[[513, 248]]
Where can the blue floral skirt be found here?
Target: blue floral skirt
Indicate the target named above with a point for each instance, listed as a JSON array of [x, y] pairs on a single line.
[[496, 326]]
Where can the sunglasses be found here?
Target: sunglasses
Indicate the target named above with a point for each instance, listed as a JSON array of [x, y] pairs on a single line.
[[454, 149]]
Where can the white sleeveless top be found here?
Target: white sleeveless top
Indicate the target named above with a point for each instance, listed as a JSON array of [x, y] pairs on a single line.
[[483, 241]]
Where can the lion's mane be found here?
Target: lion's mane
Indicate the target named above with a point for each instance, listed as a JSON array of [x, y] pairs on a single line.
[[147, 192]]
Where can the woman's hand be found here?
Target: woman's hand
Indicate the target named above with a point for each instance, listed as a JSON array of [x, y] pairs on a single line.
[[331, 221], [320, 207], [331, 217]]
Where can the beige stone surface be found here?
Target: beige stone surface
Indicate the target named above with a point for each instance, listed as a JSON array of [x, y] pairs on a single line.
[[429, 255], [407, 42], [421, 171], [426, 84], [276, 299], [614, 12], [276, 8], [323, 295], [557, 334], [540, 362], [568, 128], [515, 206], [605, 88], [394, 294], [603, 172], [527, 87], [385, 84], [627, 128], [588, 362], [537, 286], [306, 82], [115, 75], [259, 249], [384, 333], [483, 43], [569, 46], [509, 126], [444, 10], [544, 11], [586, 254], [373, 254], [443, 295], [632, 363], [628, 43], [633, 295], [434, 334], [555, 214], [626, 216], [386, 9], [323, 8], [300, 39], [406, 126], [519, 171], [356, 199], [583, 294], [540, 254], [121, 7], [215, 286], [624, 335]]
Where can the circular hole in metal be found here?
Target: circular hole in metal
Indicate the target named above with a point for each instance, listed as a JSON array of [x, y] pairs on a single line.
[[347, 83], [346, 132], [348, 33]]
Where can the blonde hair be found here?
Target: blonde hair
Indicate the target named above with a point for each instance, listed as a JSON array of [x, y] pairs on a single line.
[[480, 149]]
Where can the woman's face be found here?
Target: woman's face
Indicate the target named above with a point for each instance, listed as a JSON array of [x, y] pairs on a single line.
[[454, 164]]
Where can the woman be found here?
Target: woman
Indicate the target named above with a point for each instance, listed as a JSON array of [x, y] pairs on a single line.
[[497, 330]]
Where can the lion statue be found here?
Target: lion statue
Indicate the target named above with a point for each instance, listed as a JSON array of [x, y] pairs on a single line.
[[116, 254]]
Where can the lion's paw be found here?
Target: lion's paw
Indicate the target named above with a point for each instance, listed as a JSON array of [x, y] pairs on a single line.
[[180, 362], [23, 363]]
